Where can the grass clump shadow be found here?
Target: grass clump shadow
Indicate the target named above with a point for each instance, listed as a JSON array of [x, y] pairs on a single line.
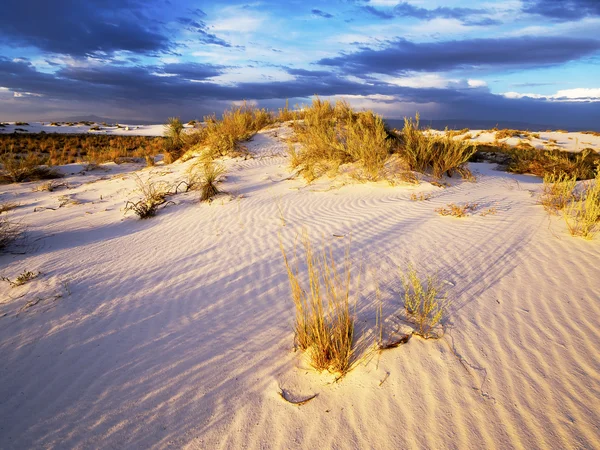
[[324, 317]]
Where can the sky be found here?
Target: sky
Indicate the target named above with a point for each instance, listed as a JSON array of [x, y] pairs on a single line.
[[535, 61]]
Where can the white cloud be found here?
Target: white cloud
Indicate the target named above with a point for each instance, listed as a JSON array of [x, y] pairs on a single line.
[[564, 95], [476, 83], [431, 80]]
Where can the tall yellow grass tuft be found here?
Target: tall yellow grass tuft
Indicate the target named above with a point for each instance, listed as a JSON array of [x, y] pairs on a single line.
[[324, 321]]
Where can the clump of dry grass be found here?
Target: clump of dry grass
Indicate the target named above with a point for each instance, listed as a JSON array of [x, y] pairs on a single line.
[[286, 114], [9, 232], [558, 191], [420, 197], [51, 186], [440, 154], [19, 168], [543, 162], [224, 137], [174, 139], [7, 206], [324, 324], [23, 278], [153, 195], [489, 212], [452, 209], [508, 133], [211, 173], [333, 134], [582, 215], [424, 304]]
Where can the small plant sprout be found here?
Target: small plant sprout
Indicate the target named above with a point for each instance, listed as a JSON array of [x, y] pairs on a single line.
[[23, 278], [423, 302]]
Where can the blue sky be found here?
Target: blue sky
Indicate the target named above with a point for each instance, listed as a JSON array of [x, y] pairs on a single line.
[[536, 61]]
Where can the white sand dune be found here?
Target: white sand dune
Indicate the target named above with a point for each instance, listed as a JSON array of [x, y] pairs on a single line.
[[121, 130], [177, 331]]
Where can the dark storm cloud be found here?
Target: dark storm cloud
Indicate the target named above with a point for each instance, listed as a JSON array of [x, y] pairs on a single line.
[[81, 27], [307, 73], [318, 12], [377, 12], [518, 52], [152, 95], [468, 16], [193, 71], [563, 10], [199, 27]]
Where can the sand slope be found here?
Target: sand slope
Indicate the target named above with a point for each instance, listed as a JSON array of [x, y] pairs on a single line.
[[176, 331]]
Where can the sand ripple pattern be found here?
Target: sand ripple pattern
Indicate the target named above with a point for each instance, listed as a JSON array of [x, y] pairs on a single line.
[[176, 332]]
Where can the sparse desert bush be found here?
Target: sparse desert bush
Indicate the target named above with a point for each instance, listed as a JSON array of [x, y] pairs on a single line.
[[331, 135], [508, 133], [543, 162], [23, 278], [18, 168], [153, 195], [21, 124], [7, 206], [423, 302], [583, 214], [440, 154], [211, 172], [452, 209], [174, 139], [324, 324], [224, 137], [56, 149], [286, 114], [454, 133], [9, 232], [558, 191], [51, 186]]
